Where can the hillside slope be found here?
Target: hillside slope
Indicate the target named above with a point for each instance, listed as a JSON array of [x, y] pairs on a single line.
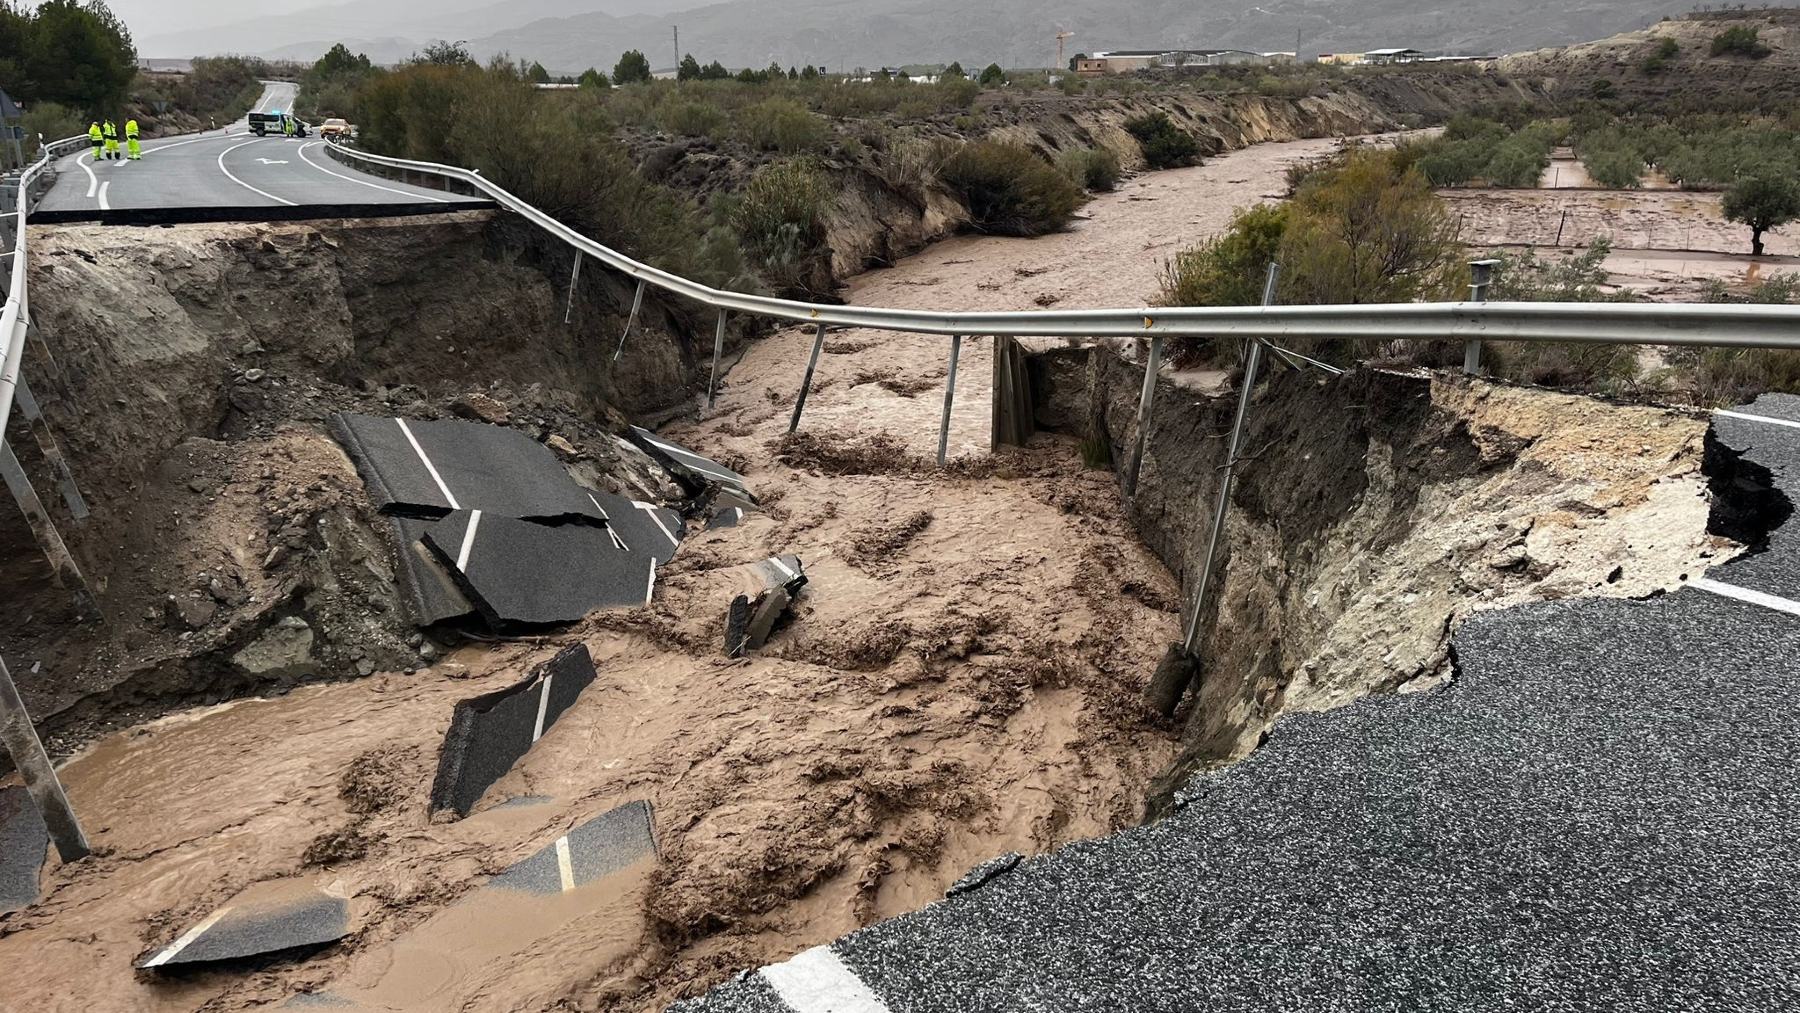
[[1018, 33]]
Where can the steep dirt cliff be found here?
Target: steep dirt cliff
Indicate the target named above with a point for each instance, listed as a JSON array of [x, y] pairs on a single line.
[[1375, 511]]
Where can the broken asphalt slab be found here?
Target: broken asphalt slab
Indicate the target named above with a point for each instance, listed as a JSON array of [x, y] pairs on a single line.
[[23, 840], [1760, 493], [489, 733], [431, 596], [597, 848], [695, 470], [642, 527], [268, 918], [430, 469], [522, 574]]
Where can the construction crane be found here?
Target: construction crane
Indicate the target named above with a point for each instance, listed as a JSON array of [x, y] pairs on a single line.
[[1062, 35]]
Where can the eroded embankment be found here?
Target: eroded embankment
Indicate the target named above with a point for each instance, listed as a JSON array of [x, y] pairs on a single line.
[[193, 368], [1373, 512]]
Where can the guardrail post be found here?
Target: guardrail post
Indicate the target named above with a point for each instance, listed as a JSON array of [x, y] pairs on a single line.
[[712, 385], [949, 399], [43, 529], [53, 455], [1252, 362], [637, 303], [1481, 275], [812, 363], [1151, 366], [34, 765], [574, 279]]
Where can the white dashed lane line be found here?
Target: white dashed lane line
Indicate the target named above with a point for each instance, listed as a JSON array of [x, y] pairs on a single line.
[[432, 468], [1764, 419], [816, 981], [1745, 594]]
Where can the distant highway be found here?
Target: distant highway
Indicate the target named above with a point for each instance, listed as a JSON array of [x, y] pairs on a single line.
[[227, 175]]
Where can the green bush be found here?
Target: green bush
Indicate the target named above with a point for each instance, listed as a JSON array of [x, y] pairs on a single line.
[[1615, 168], [691, 117], [633, 68], [993, 75], [1165, 145], [1658, 61], [1010, 190], [52, 121], [780, 217], [783, 125], [1740, 40], [1095, 169], [1228, 269]]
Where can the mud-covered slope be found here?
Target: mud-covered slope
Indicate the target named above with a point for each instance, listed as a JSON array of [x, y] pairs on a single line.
[[1377, 510], [193, 370]]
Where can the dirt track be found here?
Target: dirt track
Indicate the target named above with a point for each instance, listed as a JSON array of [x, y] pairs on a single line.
[[967, 690]]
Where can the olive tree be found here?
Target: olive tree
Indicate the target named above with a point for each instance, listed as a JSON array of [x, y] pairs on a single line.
[[1762, 202]]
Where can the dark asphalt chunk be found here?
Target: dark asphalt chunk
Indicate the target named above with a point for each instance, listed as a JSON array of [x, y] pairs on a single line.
[[267, 918], [595, 849], [642, 527], [429, 469], [1597, 814], [784, 570], [694, 469], [730, 517], [1767, 456], [522, 574], [431, 595], [23, 840], [489, 733], [749, 621], [979, 876]]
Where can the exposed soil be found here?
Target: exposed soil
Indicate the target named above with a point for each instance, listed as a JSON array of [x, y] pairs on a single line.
[[1667, 243]]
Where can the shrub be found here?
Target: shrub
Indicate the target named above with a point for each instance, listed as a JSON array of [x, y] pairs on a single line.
[[691, 117], [1739, 40], [1658, 61], [1369, 231], [1095, 169], [993, 75], [783, 125], [1165, 145], [1615, 168], [1228, 269], [1722, 377], [53, 121], [780, 216], [1009, 189]]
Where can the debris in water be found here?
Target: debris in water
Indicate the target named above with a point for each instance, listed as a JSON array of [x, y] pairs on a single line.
[[489, 733], [272, 917]]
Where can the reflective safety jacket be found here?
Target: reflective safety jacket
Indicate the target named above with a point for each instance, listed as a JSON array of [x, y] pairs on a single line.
[[131, 128], [94, 133], [112, 132]]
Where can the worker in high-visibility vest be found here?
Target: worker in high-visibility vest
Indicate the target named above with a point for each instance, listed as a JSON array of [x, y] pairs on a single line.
[[96, 139], [287, 126], [111, 131], [132, 147]]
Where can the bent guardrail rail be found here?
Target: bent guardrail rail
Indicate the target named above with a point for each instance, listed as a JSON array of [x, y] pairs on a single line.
[[16, 317], [1751, 326]]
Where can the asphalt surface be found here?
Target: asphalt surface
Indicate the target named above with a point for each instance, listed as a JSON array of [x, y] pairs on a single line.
[[594, 850], [489, 733], [229, 175], [23, 840], [1597, 813], [522, 574], [249, 927]]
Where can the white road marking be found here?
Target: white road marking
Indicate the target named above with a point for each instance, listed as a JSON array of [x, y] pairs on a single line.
[[783, 567], [650, 508], [695, 461], [650, 589], [435, 477], [171, 951], [564, 867], [93, 180], [273, 161], [1758, 418], [816, 981], [103, 188], [1745, 594], [177, 144], [239, 182], [364, 182], [537, 731], [468, 543], [598, 508]]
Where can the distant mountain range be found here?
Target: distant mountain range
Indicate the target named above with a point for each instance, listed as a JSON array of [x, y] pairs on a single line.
[[570, 35]]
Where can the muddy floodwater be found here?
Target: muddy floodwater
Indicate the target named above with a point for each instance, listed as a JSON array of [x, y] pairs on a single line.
[[960, 682]]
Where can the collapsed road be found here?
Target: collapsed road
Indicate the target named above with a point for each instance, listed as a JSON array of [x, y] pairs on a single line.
[[959, 678]]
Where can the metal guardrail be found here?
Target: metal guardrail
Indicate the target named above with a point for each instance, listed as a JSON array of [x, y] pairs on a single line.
[[1740, 326], [16, 317]]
